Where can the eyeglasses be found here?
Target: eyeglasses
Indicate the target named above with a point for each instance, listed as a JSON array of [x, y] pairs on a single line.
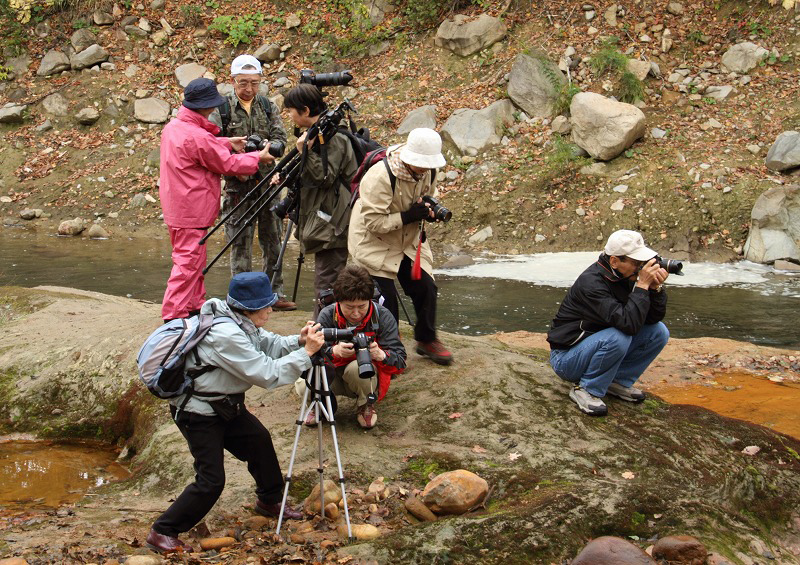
[[247, 83], [639, 264]]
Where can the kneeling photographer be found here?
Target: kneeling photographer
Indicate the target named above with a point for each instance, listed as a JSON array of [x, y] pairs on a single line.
[[387, 231], [363, 341]]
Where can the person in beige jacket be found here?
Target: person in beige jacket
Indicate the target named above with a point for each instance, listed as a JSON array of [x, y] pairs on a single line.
[[387, 232]]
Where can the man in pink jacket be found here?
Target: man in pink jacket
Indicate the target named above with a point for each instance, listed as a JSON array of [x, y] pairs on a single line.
[[192, 160]]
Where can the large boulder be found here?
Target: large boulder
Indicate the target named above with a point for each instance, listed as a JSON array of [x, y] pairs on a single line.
[[609, 550], [454, 492], [785, 152], [604, 127], [56, 105], [54, 61], [89, 57], [744, 56], [87, 116], [534, 84], [422, 117], [151, 110], [464, 35], [82, 39], [775, 226], [188, 72], [12, 113], [685, 550], [474, 131], [19, 64]]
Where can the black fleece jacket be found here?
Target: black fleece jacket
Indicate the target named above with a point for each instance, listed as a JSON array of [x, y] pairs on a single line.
[[600, 299]]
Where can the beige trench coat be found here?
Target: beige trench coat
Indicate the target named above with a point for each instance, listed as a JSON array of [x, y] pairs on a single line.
[[377, 238]]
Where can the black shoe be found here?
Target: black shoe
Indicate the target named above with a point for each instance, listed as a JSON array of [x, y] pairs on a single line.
[[166, 544], [273, 510]]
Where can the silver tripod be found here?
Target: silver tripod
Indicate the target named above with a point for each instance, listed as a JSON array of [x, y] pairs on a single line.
[[317, 383]]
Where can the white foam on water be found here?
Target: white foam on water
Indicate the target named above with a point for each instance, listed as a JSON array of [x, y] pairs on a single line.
[[561, 270]]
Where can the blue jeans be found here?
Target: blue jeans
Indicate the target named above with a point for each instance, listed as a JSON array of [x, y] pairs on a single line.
[[610, 356]]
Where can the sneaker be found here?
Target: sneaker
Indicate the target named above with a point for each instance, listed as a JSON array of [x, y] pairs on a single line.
[[435, 351], [626, 393], [588, 403], [367, 418], [284, 305]]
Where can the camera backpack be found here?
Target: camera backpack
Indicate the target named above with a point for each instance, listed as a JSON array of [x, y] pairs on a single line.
[[162, 357], [371, 158]]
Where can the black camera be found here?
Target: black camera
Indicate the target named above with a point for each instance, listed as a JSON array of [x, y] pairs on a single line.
[[440, 213], [284, 207], [360, 341], [672, 266], [256, 143], [307, 76]]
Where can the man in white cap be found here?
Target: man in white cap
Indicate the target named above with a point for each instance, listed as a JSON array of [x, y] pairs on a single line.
[[246, 112], [608, 329], [387, 232]]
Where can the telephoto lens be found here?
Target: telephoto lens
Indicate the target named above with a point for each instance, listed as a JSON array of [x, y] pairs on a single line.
[[672, 266], [308, 76], [335, 335], [276, 148], [440, 213], [361, 344]]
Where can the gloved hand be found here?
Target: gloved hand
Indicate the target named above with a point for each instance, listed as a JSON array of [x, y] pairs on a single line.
[[418, 211]]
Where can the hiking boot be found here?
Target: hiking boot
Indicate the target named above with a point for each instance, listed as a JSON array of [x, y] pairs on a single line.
[[588, 403], [284, 305], [274, 509], [166, 544], [626, 393], [367, 418], [435, 351]]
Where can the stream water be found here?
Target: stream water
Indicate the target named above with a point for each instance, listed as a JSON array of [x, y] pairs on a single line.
[[743, 301]]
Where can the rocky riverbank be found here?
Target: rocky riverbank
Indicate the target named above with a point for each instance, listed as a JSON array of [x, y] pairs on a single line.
[[556, 477]]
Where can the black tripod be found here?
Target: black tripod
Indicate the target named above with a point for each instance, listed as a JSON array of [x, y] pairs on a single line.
[[317, 383]]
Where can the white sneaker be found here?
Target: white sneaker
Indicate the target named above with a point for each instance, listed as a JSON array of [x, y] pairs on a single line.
[[626, 393], [588, 404]]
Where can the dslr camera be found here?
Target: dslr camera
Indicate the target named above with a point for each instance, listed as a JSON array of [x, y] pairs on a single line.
[[256, 143], [672, 266], [440, 213], [360, 342], [284, 207], [307, 76]]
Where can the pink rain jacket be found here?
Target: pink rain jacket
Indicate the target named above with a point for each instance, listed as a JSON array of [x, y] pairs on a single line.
[[192, 160]]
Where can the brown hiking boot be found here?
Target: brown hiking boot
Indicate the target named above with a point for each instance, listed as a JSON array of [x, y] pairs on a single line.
[[166, 544], [284, 305], [435, 351]]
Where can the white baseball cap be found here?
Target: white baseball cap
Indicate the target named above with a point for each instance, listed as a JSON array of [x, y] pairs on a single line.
[[244, 61], [628, 243], [423, 148]]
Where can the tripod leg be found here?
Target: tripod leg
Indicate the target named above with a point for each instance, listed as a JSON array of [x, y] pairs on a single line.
[[300, 419], [318, 379], [300, 260], [332, 421], [279, 261]]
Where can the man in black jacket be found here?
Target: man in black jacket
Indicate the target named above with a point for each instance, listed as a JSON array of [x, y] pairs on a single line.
[[608, 329], [354, 308]]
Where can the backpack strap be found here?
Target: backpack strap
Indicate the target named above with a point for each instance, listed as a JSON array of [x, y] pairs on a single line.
[[392, 177], [225, 116], [264, 104]]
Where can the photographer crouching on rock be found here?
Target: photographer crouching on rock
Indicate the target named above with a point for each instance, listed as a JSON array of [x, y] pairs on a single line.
[[235, 355], [608, 329], [387, 231], [376, 341]]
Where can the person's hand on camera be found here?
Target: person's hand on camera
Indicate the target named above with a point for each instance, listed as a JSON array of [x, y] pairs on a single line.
[[343, 350], [276, 179], [264, 156], [237, 143], [315, 339], [301, 141], [375, 352], [651, 276], [304, 332], [418, 211]]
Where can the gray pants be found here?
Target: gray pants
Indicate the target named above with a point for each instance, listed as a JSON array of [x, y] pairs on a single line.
[[270, 229], [327, 265]]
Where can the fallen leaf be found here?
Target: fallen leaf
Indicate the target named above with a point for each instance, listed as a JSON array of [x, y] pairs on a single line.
[[514, 456], [478, 449], [455, 415], [628, 475]]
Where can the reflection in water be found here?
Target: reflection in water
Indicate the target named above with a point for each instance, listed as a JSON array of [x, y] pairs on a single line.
[[752, 306], [41, 474]]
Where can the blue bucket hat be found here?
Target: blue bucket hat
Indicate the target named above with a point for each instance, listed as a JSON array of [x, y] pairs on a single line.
[[251, 291], [202, 93]]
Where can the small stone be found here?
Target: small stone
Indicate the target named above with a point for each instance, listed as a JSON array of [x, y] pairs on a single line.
[[87, 116], [454, 492], [415, 507], [292, 21], [13, 561], [580, 211], [362, 532], [680, 549], [96, 231], [71, 227], [144, 560], [726, 190], [658, 133], [150, 198], [29, 214], [207, 544], [256, 522], [331, 511], [538, 238], [621, 188], [618, 205], [609, 550], [754, 149], [751, 450], [5, 199], [783, 265]]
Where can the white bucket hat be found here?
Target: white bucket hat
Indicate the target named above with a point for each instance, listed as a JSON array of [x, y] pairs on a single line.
[[244, 61], [628, 243], [423, 148]]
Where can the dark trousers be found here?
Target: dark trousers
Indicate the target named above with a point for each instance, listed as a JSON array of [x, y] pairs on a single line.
[[246, 439], [423, 294], [327, 265]]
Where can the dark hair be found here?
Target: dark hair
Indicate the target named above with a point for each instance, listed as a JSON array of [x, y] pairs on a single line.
[[305, 96], [353, 283]]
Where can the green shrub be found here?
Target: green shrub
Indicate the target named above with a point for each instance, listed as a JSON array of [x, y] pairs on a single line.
[[630, 89], [608, 58], [562, 103], [191, 14], [237, 30]]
